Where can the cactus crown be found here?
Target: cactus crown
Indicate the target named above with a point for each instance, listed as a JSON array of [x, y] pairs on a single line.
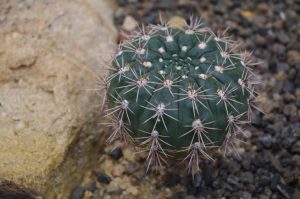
[[179, 92]]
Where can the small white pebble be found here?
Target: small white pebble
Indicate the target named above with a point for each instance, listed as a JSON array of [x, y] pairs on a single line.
[[197, 67], [160, 60]]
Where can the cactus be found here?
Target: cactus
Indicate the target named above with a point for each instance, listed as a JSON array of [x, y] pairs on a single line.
[[179, 93]]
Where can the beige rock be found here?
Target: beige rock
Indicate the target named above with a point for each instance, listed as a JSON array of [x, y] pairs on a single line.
[[129, 23], [293, 57], [177, 22], [132, 190], [50, 53], [118, 170]]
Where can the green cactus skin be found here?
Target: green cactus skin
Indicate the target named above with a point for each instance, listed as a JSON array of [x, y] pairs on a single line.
[[179, 93]]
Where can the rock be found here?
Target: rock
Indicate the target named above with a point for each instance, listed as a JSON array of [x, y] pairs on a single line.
[[129, 155], [296, 194], [87, 195], [77, 193], [103, 178], [246, 195], [265, 140], [247, 13], [247, 178], [263, 7], [118, 170], [116, 153], [283, 37], [48, 58], [293, 57], [129, 23], [233, 180], [177, 22], [132, 190], [9, 190]]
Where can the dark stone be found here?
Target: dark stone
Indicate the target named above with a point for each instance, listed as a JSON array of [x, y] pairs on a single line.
[[77, 193], [116, 154], [295, 149], [259, 189], [171, 179], [279, 49], [103, 178], [91, 187], [283, 37], [233, 180], [247, 178], [178, 195], [275, 180], [122, 2], [190, 197], [209, 174], [265, 140]]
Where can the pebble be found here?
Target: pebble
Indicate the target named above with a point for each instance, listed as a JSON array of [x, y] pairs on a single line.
[[247, 178], [247, 13], [293, 57], [118, 170], [283, 37], [103, 178], [116, 153], [77, 193], [87, 195], [129, 154], [132, 190], [265, 140], [129, 23], [263, 7], [233, 180]]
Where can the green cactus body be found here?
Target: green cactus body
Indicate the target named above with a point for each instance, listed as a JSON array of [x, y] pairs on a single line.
[[179, 93]]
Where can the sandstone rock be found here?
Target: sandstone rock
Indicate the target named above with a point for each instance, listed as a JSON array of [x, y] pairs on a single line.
[[50, 53]]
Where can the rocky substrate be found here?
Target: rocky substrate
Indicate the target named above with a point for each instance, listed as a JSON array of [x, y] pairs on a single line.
[[270, 161]]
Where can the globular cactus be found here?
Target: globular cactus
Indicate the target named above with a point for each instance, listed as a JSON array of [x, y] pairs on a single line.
[[179, 93]]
